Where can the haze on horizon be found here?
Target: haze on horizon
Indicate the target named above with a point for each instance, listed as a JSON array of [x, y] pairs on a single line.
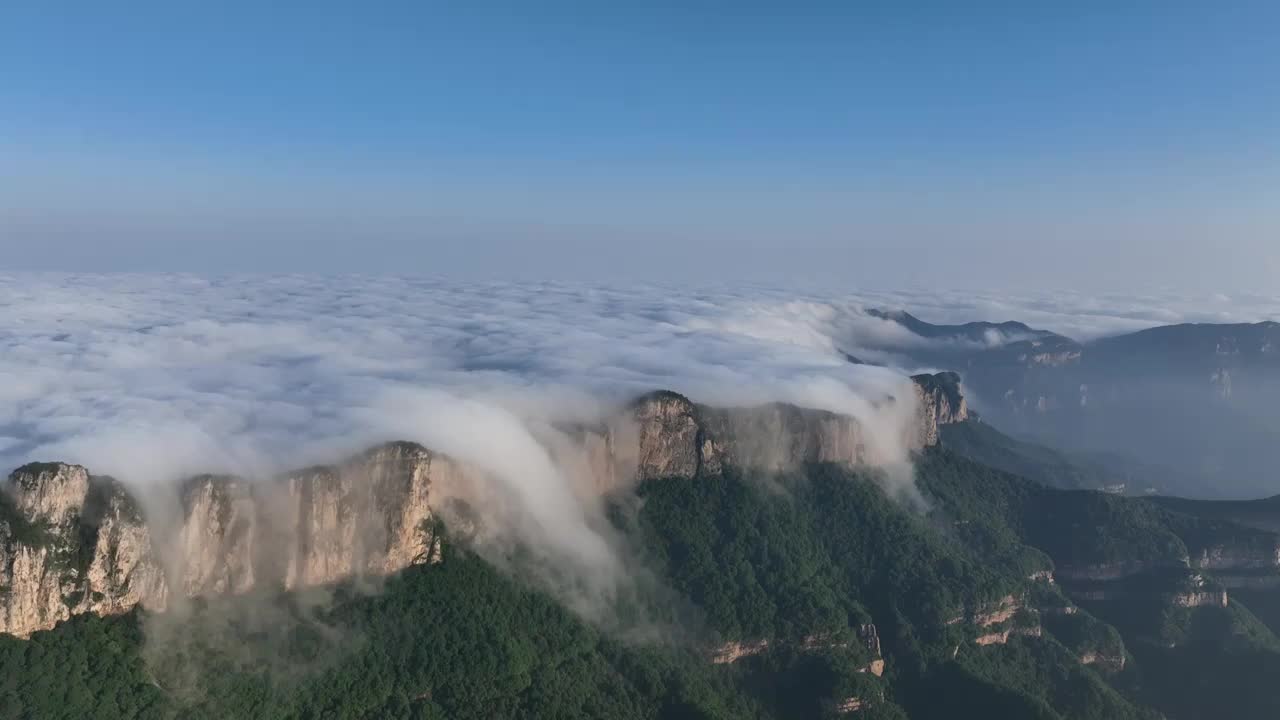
[[997, 145]]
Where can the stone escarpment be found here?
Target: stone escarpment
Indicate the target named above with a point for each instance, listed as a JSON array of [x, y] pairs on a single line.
[[940, 402], [994, 623], [680, 438], [1234, 557], [865, 637], [72, 543], [1197, 591], [1112, 663]]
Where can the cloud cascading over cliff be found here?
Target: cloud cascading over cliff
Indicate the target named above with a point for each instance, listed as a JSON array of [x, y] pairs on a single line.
[[73, 543]]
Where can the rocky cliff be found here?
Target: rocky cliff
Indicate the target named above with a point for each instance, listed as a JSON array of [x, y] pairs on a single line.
[[679, 438], [940, 402], [72, 543]]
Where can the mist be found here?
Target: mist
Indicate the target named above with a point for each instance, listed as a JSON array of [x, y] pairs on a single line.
[[154, 379]]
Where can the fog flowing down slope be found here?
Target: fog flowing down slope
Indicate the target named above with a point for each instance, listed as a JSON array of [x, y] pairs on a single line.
[[150, 381], [167, 375], [74, 543]]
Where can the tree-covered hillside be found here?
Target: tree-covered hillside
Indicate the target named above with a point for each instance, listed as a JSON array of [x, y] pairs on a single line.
[[801, 595], [456, 640]]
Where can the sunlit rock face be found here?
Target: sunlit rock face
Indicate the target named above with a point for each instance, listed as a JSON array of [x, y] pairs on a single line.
[[672, 440], [218, 536], [940, 402], [71, 543], [371, 516], [678, 438]]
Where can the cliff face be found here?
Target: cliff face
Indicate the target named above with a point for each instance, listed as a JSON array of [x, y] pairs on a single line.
[[678, 438], [71, 543], [940, 402], [371, 516], [1262, 555], [672, 439]]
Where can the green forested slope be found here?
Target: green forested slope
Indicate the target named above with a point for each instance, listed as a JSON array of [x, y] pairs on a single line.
[[803, 567]]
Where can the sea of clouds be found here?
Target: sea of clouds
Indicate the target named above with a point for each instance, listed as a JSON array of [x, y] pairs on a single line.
[[149, 377], [152, 378]]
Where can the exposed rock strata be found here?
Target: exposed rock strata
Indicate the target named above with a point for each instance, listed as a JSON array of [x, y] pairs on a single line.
[[1109, 663], [732, 652]]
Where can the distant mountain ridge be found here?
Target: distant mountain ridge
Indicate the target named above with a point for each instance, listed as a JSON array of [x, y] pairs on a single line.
[[1199, 399]]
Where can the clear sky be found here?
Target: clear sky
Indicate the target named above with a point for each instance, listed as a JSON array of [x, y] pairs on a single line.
[[1084, 144]]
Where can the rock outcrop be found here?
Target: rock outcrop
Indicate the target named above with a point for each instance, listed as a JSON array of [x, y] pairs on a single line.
[[71, 544], [849, 705], [940, 402], [865, 634], [1108, 663], [999, 621], [732, 652], [871, 641], [1001, 612], [1260, 553], [679, 438], [1199, 593], [371, 516], [672, 438]]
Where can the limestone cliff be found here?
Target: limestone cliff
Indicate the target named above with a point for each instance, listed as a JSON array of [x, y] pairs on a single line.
[[371, 516], [1261, 552], [71, 543], [218, 536], [940, 402], [677, 438], [672, 438]]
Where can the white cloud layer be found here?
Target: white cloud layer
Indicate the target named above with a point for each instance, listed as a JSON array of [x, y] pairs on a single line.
[[152, 376]]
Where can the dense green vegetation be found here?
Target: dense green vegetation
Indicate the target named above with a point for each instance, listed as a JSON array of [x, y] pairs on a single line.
[[831, 545], [818, 563], [1223, 664], [1073, 527], [808, 562], [1188, 662], [982, 443], [451, 641]]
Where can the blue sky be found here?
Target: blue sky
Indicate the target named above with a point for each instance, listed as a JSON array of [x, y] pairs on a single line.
[[1072, 144]]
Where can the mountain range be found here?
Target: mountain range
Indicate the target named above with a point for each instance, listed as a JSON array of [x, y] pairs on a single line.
[[777, 563], [1180, 409]]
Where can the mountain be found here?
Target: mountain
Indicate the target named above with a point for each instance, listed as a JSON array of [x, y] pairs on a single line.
[[73, 543], [785, 579], [1185, 409], [978, 333]]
